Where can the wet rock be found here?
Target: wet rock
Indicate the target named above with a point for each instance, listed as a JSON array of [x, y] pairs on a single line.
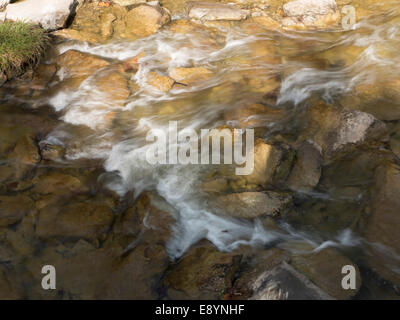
[[3, 78], [128, 2], [215, 11], [307, 168], [335, 128], [26, 151], [379, 99], [51, 152], [72, 34], [88, 220], [42, 76], [310, 13], [395, 139], [107, 25], [190, 76], [160, 82], [252, 204], [324, 268], [14, 208], [74, 63], [50, 14], [113, 87], [254, 115], [204, 273], [268, 276], [58, 183], [383, 223], [9, 288], [145, 20]]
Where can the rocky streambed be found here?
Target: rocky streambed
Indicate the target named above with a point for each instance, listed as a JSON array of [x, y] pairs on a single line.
[[76, 191]]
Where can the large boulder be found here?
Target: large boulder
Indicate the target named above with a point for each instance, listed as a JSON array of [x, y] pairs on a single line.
[[50, 14], [310, 14], [384, 222]]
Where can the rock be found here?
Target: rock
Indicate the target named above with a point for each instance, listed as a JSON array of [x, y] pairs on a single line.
[[42, 76], [145, 20], [26, 151], [128, 2], [215, 11], [252, 116], [50, 14], [190, 76], [72, 34], [51, 152], [310, 13], [324, 268], [56, 183], [3, 78], [336, 128], [160, 82], [268, 276], [88, 220], [380, 99], [307, 168], [252, 204], [74, 63], [113, 87], [9, 289], [107, 25], [382, 229], [204, 273], [13, 209]]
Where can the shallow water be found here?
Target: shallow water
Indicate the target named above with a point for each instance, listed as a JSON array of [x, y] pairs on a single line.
[[245, 64]]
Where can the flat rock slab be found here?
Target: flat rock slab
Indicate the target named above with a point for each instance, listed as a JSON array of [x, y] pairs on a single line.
[[50, 14], [309, 7], [215, 11]]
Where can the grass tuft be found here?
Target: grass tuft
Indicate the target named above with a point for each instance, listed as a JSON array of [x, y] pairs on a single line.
[[22, 45]]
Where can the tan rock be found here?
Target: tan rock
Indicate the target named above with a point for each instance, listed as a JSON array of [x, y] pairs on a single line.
[[189, 76], [77, 64], [113, 87], [72, 34], [145, 20], [252, 204], [160, 82]]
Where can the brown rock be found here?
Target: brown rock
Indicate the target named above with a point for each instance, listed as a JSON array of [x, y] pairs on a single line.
[[382, 230], [204, 273], [14, 208], [87, 220]]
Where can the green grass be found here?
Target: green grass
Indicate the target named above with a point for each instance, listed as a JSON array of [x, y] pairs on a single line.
[[21, 45]]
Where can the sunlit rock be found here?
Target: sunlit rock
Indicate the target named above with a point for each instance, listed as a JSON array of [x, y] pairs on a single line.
[[190, 76], [160, 82], [50, 14], [303, 14]]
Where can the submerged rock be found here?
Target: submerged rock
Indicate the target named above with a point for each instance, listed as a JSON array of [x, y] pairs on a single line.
[[50, 14], [14, 208], [215, 11], [383, 224], [190, 76], [160, 82], [252, 204]]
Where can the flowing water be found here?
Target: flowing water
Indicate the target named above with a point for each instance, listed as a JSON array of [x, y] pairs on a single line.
[[246, 61]]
